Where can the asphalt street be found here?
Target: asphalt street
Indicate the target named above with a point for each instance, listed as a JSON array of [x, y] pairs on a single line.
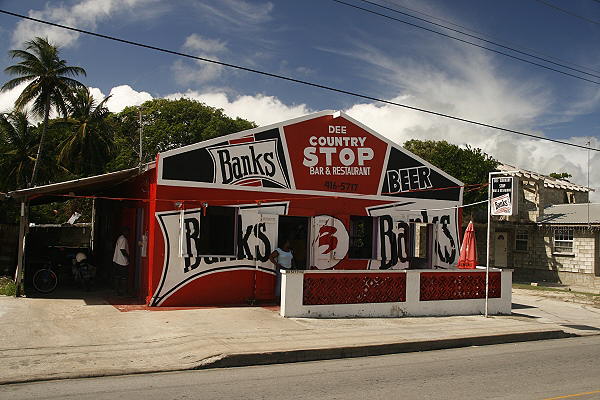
[[532, 370]]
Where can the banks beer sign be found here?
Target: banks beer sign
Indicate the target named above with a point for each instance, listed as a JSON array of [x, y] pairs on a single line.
[[236, 163], [504, 196]]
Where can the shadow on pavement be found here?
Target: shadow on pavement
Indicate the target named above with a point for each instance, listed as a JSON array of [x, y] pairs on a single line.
[[514, 314], [517, 306], [581, 327]]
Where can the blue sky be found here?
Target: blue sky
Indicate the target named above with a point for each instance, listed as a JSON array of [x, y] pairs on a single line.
[[332, 44]]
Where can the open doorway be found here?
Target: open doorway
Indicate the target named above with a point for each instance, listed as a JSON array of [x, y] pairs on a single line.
[[295, 229]]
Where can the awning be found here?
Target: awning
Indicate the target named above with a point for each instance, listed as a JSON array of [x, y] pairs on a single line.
[[91, 185]]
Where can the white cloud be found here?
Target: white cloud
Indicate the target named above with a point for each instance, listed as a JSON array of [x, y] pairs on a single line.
[[84, 14], [260, 108], [236, 13], [121, 96], [401, 125], [199, 72], [198, 43], [467, 83], [8, 98], [195, 73]]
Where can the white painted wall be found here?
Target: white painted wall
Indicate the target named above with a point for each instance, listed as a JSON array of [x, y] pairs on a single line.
[[292, 293]]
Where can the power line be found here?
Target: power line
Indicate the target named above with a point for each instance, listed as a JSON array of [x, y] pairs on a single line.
[[568, 12], [396, 4], [294, 80], [468, 42]]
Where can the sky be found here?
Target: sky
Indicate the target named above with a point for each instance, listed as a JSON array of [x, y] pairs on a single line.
[[332, 44]]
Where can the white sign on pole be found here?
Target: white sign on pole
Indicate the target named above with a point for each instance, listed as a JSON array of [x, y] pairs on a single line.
[[504, 196]]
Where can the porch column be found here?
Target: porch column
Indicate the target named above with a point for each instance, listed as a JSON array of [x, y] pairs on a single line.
[[23, 228]]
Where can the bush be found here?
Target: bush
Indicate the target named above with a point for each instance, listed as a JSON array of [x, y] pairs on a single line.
[[7, 286]]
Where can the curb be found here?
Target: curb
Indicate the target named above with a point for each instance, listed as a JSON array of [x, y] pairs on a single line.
[[316, 354]]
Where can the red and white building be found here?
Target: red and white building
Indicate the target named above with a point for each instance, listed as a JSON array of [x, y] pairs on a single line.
[[208, 215]]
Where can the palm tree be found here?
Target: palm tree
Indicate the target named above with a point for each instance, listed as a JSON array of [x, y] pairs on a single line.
[[18, 143], [50, 83], [88, 145]]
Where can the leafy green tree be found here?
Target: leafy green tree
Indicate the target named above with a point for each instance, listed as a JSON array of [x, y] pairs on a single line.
[[168, 124], [561, 175], [50, 82], [18, 143], [469, 165], [88, 141]]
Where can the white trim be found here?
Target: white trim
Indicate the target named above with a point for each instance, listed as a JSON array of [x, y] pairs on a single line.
[[288, 163], [383, 171], [206, 185]]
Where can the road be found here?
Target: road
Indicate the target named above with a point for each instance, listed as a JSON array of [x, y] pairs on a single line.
[[533, 370]]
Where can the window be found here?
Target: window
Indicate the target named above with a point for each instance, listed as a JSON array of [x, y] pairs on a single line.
[[217, 231], [563, 241], [361, 237], [521, 240], [569, 197]]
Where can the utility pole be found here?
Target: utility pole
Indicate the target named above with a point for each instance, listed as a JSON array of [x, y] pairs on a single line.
[[141, 133], [589, 143]]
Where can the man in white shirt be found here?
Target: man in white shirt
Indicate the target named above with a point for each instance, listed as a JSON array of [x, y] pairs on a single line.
[[121, 262]]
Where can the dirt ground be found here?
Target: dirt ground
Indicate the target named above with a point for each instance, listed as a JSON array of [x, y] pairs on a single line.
[[559, 294]]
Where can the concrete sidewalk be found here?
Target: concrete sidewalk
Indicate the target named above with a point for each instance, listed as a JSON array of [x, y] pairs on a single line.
[[65, 338], [571, 312]]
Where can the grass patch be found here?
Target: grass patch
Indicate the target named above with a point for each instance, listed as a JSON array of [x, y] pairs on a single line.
[[552, 289], [7, 286]]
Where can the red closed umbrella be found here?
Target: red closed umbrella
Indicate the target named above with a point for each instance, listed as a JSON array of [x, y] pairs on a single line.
[[468, 249]]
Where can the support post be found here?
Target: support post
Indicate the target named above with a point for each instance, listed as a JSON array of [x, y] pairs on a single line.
[[487, 264], [93, 227], [23, 223]]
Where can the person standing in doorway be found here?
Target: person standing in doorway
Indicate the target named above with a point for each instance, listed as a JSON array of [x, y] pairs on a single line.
[[282, 258], [121, 262]]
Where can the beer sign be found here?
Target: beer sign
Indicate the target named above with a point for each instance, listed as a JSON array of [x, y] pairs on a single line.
[[504, 197]]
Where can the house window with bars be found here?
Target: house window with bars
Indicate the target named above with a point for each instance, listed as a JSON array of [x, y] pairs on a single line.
[[521, 240], [563, 241]]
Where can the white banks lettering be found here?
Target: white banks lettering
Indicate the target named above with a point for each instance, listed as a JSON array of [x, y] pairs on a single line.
[[235, 163]]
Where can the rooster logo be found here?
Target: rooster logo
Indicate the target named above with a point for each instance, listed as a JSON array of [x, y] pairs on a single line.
[[327, 238], [330, 242]]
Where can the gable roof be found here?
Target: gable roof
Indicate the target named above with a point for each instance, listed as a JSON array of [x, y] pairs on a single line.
[[359, 155], [548, 180]]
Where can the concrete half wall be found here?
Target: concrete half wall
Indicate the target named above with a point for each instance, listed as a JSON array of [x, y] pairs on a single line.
[[338, 294]]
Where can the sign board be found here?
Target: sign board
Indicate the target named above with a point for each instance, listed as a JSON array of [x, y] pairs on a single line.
[[504, 196]]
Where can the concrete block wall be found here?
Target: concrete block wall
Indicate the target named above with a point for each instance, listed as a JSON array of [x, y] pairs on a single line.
[[539, 263], [583, 258], [550, 196], [292, 291], [529, 200]]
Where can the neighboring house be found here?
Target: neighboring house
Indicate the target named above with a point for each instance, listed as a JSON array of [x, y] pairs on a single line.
[[551, 239]]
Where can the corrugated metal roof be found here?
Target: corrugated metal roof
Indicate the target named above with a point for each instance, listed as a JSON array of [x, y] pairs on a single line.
[[548, 181], [81, 186], [571, 214]]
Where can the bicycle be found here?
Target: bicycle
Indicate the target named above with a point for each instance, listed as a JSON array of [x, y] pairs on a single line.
[[45, 280]]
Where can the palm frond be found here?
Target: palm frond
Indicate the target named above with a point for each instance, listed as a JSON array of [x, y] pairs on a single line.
[[13, 83], [72, 71]]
